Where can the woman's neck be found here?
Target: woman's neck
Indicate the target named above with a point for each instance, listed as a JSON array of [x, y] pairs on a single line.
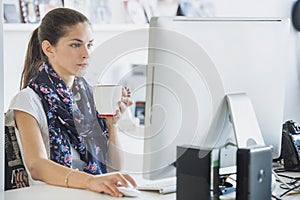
[[67, 78], [69, 81]]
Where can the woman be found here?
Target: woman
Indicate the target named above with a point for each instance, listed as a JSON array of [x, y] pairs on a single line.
[[54, 112]]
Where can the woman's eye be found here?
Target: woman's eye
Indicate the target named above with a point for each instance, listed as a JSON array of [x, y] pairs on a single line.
[[89, 46], [75, 45]]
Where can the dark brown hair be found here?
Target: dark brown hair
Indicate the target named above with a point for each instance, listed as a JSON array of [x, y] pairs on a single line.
[[54, 25]]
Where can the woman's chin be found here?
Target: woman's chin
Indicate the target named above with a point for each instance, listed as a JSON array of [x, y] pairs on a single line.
[[82, 72]]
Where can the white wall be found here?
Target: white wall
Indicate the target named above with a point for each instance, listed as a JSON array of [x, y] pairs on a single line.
[[1, 110], [270, 8], [252, 8]]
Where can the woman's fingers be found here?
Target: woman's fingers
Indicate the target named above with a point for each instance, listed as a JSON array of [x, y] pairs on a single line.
[[113, 191], [122, 180], [115, 180], [127, 101], [126, 92], [108, 183], [130, 179], [106, 188], [122, 107]]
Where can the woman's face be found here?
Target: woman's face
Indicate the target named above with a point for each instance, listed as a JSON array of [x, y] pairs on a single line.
[[70, 56]]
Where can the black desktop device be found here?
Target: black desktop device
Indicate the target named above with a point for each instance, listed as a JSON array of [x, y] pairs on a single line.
[[193, 173], [290, 146], [254, 173]]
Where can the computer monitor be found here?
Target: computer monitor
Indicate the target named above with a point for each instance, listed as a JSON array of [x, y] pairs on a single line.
[[192, 65]]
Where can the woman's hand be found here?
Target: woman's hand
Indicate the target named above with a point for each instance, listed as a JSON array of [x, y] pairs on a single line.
[[108, 183], [125, 102], [126, 96]]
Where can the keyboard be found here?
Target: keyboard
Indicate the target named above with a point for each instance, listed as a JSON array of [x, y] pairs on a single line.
[[163, 186]]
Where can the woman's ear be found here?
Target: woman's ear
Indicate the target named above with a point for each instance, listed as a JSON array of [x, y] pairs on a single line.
[[47, 48]]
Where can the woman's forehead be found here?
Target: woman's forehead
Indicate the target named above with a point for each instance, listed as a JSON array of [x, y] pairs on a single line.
[[81, 31]]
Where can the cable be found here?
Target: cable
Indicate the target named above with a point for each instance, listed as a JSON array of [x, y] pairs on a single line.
[[289, 177], [286, 192], [288, 186], [280, 170], [281, 180], [276, 198]]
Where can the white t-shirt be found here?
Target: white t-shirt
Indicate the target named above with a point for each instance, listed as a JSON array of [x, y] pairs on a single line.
[[28, 101]]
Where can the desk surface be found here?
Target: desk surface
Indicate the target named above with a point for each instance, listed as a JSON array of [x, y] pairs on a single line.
[[49, 192]]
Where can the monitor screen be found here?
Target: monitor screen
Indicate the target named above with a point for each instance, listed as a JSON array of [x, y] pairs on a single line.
[[192, 65]]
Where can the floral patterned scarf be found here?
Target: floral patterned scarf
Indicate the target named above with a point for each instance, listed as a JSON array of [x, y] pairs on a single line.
[[72, 120]]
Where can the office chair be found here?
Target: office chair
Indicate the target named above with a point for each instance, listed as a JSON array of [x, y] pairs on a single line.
[[15, 172]]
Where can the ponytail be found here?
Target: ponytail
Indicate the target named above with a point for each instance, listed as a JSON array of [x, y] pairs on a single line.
[[33, 59]]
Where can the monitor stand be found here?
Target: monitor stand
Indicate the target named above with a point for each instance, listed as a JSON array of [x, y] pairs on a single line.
[[244, 121], [254, 158]]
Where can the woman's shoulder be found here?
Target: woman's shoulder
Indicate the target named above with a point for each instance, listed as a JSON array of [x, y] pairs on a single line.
[[25, 96], [27, 93], [27, 101]]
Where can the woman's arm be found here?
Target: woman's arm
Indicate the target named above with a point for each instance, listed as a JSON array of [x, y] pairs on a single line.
[[43, 169], [114, 154]]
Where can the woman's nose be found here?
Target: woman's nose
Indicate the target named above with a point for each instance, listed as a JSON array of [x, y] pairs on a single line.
[[86, 52]]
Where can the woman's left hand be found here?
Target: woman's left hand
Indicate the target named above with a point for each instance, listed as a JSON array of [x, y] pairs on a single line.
[[125, 102], [126, 97]]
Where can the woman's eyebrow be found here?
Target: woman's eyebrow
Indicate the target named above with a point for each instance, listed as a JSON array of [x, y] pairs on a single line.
[[79, 40]]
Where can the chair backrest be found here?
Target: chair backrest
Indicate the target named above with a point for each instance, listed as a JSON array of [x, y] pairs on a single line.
[[15, 171]]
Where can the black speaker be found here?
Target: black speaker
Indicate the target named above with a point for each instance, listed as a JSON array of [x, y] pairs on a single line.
[[296, 15], [193, 168], [254, 173]]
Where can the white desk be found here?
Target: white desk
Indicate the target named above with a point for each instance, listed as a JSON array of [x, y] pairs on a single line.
[[48, 192]]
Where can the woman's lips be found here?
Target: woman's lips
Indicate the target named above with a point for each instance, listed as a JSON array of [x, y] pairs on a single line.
[[83, 65]]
